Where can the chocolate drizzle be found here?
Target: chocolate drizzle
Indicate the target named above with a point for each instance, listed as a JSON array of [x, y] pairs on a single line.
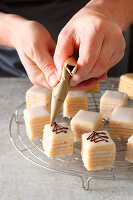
[[58, 128], [98, 137]]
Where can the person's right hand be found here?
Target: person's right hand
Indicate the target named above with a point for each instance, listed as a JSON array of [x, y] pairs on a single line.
[[35, 48]]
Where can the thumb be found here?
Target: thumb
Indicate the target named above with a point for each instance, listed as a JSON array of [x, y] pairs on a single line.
[[64, 49]]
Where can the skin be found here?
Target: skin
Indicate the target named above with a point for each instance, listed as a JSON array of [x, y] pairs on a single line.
[[95, 31], [34, 46], [98, 37]]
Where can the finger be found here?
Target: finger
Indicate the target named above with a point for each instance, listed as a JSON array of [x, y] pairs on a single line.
[[64, 49], [88, 83], [89, 51], [35, 75], [103, 62], [45, 62], [118, 53], [51, 47], [111, 53]]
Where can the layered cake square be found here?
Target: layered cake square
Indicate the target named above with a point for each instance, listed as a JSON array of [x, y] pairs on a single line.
[[94, 88], [35, 118], [121, 123], [98, 150], [129, 151], [75, 101], [58, 140], [126, 84], [38, 97], [110, 100], [84, 122]]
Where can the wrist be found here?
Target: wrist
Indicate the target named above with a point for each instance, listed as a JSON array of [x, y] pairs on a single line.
[[121, 12]]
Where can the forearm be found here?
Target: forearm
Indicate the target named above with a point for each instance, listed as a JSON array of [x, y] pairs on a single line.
[[8, 25], [121, 11]]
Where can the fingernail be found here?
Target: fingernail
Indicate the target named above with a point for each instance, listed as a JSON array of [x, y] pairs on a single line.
[[52, 80]]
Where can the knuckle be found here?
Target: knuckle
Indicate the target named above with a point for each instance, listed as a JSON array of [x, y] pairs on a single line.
[[64, 34], [83, 76], [118, 37], [87, 61], [121, 55], [32, 24], [98, 70], [46, 69], [123, 44], [90, 60], [31, 50], [100, 25]]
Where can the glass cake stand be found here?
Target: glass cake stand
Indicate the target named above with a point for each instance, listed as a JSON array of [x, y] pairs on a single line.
[[32, 150]]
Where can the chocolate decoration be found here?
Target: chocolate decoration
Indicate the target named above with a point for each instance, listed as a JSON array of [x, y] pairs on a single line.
[[98, 137], [58, 128]]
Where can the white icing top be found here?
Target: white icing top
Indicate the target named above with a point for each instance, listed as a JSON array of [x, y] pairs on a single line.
[[100, 143], [72, 94], [122, 114], [40, 91], [113, 97], [86, 117], [36, 112], [48, 131]]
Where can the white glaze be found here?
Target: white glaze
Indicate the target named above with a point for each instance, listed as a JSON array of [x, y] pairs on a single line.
[[122, 114], [113, 97], [36, 112], [88, 118]]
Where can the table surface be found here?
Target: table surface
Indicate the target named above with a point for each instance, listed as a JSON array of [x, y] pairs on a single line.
[[21, 180]]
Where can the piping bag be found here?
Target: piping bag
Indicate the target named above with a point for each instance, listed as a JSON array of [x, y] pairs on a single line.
[[59, 92]]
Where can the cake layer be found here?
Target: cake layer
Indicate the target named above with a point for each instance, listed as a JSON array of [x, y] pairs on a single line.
[[62, 154], [96, 158], [121, 125], [94, 88], [75, 101], [119, 129], [107, 107], [75, 108], [100, 166]]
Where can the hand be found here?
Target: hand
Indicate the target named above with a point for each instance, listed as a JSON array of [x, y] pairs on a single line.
[[100, 43], [35, 48]]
